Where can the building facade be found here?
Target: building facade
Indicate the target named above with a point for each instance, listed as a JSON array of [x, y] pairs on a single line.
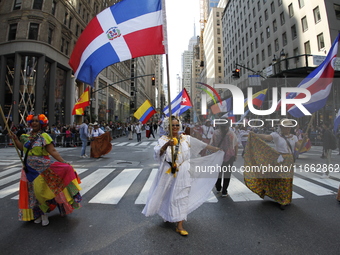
[[36, 40]]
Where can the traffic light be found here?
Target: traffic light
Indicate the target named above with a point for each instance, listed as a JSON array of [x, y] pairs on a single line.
[[153, 80], [236, 73]]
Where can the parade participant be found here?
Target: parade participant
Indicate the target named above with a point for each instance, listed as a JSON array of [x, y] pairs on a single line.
[[277, 185], [225, 139], [100, 142], [84, 136], [138, 128], [329, 144], [176, 191], [44, 184]]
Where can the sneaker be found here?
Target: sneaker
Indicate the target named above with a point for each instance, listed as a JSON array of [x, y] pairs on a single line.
[[45, 220], [37, 221], [218, 191], [224, 194], [85, 156]]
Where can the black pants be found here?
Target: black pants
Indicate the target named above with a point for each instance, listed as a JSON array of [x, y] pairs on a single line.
[[225, 173], [139, 137]]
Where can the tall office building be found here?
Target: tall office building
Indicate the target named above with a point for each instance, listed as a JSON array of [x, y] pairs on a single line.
[[279, 38]]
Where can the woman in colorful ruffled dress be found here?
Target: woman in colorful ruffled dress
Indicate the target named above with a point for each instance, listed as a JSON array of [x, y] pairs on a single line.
[[44, 184], [260, 160], [180, 188]]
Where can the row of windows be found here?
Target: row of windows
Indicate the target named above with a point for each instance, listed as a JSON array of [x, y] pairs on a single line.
[[307, 50], [232, 42]]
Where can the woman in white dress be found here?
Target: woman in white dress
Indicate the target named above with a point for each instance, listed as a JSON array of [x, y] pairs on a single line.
[[178, 190]]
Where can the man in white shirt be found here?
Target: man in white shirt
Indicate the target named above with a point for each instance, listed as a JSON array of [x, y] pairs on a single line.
[[83, 134]]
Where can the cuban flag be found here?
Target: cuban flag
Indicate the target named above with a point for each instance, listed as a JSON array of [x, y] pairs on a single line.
[[126, 30], [179, 105], [319, 83]]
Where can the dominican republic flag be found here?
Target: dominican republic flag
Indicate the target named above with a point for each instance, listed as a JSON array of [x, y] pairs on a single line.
[[179, 105], [319, 83], [126, 30]]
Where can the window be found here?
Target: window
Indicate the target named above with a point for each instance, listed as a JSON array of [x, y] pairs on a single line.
[[268, 32], [257, 59], [266, 14], [279, 2], [304, 24], [293, 30], [37, 4], [77, 30], [54, 4], [251, 32], [263, 55], [258, 6], [321, 42], [260, 21], [50, 34], [291, 10], [65, 18], [12, 32], [272, 7], [317, 16], [307, 48], [256, 43], [274, 25], [276, 43], [284, 39], [269, 50], [282, 18], [17, 5], [337, 10], [301, 3], [254, 13], [33, 31], [296, 53], [261, 38], [255, 27]]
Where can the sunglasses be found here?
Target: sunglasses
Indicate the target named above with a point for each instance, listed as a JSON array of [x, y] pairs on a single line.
[[175, 125]]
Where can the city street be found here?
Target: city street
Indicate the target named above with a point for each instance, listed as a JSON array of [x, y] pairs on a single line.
[[114, 193]]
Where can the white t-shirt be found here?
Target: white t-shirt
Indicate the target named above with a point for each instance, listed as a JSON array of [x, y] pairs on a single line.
[[281, 145]]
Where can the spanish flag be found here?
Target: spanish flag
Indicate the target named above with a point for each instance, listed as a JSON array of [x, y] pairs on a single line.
[[144, 112], [82, 102]]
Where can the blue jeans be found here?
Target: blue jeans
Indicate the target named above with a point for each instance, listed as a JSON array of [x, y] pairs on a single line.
[[83, 147]]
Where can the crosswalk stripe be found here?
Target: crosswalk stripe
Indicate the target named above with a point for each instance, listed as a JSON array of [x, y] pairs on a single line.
[[239, 192], [311, 187], [121, 144], [143, 195], [132, 144], [116, 189], [144, 143], [9, 171], [9, 190], [10, 179], [93, 179]]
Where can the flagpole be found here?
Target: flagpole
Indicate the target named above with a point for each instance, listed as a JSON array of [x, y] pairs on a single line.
[[307, 130], [9, 131], [169, 104]]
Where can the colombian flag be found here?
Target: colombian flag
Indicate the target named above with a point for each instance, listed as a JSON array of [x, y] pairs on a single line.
[[144, 112], [82, 102]]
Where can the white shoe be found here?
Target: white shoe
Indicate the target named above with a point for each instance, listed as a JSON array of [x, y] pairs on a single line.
[[85, 156], [37, 221], [45, 220]]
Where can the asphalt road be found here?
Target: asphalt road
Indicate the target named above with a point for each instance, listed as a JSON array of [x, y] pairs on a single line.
[[110, 220]]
